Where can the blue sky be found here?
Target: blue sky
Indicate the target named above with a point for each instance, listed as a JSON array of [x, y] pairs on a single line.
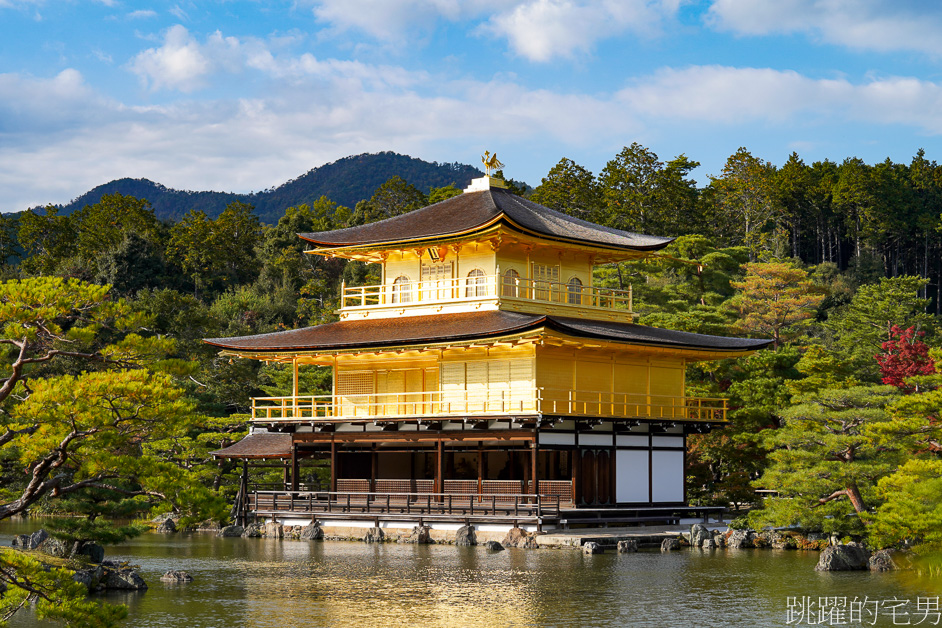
[[241, 95]]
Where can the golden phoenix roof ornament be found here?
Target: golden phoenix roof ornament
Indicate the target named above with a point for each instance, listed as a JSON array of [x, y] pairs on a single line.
[[491, 162]]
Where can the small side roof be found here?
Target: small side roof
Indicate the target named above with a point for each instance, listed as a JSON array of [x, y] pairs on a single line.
[[473, 210], [260, 445], [414, 330]]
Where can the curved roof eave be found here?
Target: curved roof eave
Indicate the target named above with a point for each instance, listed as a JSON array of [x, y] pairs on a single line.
[[472, 211]]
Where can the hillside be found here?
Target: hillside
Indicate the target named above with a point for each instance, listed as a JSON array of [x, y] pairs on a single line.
[[345, 181]]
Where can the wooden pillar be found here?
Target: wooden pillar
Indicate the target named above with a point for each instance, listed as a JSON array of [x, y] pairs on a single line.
[[525, 480], [480, 468], [333, 465], [439, 478], [576, 463], [295, 467], [374, 464], [242, 515], [534, 455]]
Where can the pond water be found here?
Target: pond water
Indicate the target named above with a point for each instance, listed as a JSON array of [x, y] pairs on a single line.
[[273, 583]]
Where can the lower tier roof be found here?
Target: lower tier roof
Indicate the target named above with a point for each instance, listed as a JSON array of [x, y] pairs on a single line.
[[417, 330]]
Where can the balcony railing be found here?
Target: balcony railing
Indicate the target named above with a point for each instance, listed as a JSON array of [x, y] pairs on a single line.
[[488, 402], [483, 287]]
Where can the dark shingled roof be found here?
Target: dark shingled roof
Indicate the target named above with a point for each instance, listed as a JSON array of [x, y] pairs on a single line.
[[413, 330], [258, 446], [470, 210]]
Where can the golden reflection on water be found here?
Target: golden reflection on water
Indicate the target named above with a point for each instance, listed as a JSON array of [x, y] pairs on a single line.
[[267, 583], [400, 586]]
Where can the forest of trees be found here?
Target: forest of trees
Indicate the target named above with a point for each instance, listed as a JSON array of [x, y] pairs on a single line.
[[103, 311]]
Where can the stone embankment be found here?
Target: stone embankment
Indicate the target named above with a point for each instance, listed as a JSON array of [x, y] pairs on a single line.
[[86, 559], [835, 556]]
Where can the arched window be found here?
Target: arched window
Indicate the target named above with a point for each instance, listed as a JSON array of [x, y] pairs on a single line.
[[476, 284], [574, 288], [511, 283], [402, 290]]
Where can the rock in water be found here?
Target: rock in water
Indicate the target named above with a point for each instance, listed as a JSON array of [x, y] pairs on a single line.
[[94, 551], [698, 534], [719, 540], [89, 577], [465, 536], [231, 531], [312, 532], [421, 535], [740, 539], [274, 530], [20, 540], [176, 576], [669, 545], [493, 546], [167, 526], [254, 531], [36, 539], [627, 546], [518, 537], [885, 560], [124, 579], [375, 535], [850, 557], [592, 548], [54, 547]]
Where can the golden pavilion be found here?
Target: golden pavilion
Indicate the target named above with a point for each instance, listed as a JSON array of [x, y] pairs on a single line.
[[485, 380]]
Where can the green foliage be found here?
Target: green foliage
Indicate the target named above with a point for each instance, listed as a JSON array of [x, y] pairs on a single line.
[[746, 201], [217, 253], [54, 594], [642, 194], [46, 239], [393, 198], [775, 300], [860, 328], [912, 506], [826, 459], [571, 189], [72, 530]]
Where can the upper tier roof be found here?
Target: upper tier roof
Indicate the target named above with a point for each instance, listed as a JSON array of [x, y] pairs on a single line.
[[417, 330], [471, 211]]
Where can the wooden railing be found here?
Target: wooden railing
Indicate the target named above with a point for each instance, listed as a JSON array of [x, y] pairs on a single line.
[[488, 402], [484, 286], [427, 505]]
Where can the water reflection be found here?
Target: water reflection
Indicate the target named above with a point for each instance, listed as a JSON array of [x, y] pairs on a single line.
[[272, 583]]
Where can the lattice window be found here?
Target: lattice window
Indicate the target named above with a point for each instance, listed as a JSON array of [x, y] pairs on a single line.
[[436, 281], [574, 288], [476, 284], [543, 279], [402, 290], [436, 272], [511, 284], [355, 389]]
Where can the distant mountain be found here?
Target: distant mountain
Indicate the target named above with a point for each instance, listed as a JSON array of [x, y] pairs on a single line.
[[345, 181]]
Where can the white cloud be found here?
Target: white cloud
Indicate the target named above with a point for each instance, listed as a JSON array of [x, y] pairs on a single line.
[[182, 63], [539, 30], [142, 14], [880, 25], [59, 138], [391, 20], [543, 29], [735, 96]]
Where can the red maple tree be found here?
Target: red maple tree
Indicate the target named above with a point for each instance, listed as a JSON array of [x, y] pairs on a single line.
[[904, 355]]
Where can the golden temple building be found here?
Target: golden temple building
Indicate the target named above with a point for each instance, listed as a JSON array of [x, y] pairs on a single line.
[[485, 380]]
